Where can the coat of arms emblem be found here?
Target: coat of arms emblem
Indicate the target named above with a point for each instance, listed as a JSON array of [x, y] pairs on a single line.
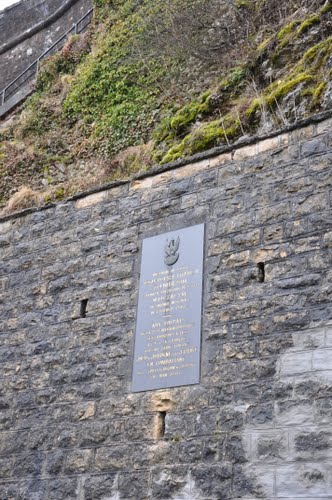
[[171, 251]]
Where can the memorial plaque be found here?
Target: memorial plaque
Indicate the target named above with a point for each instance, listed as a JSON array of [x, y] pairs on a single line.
[[168, 325]]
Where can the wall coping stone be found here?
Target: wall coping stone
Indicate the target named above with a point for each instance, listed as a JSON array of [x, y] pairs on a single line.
[[234, 149], [37, 27]]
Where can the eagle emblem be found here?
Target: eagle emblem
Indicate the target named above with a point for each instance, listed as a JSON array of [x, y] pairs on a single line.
[[171, 251]]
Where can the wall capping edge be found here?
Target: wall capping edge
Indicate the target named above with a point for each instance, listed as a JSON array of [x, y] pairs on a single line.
[[158, 169]]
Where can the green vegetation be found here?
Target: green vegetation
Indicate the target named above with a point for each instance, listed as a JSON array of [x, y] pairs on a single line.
[[113, 90], [308, 23], [64, 62], [144, 86], [182, 119], [205, 136], [287, 30], [262, 46], [36, 119], [319, 52], [326, 8], [317, 93], [234, 81], [175, 132], [281, 89], [286, 35], [310, 69]]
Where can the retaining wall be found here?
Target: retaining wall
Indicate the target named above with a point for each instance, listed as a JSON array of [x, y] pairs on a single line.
[[17, 48], [259, 423]]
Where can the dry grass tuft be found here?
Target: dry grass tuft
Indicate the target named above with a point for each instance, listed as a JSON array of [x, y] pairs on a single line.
[[130, 161], [22, 199]]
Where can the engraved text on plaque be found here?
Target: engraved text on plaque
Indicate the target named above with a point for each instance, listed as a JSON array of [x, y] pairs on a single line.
[[168, 327]]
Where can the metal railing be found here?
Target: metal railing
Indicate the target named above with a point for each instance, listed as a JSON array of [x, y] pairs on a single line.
[[31, 71]]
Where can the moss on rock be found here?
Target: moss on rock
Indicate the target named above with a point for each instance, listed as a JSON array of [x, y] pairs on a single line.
[[205, 136], [308, 23], [286, 34], [183, 118], [326, 8], [317, 93], [281, 89], [287, 30], [317, 53]]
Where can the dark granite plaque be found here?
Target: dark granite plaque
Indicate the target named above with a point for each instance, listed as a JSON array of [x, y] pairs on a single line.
[[168, 328]]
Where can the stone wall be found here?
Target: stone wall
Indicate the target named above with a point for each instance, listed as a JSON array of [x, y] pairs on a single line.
[[19, 18], [259, 423], [23, 16]]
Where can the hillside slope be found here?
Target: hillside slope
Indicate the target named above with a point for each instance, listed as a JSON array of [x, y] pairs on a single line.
[[155, 81]]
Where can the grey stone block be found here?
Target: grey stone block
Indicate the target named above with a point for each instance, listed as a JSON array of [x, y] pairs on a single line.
[[258, 423]]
